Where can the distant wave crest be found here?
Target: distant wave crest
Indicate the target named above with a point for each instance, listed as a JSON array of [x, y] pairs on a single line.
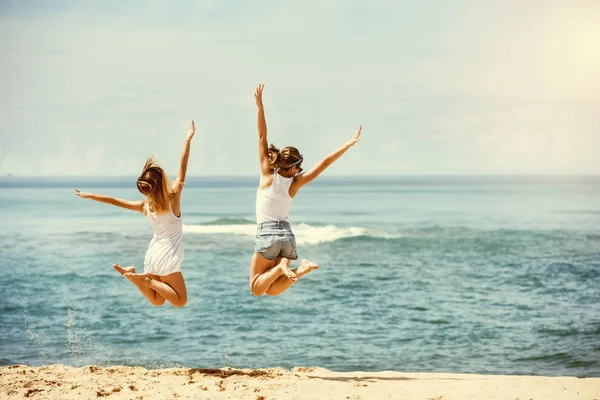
[[304, 233], [307, 234], [230, 221]]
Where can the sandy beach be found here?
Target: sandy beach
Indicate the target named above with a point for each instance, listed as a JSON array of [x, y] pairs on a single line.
[[119, 382]]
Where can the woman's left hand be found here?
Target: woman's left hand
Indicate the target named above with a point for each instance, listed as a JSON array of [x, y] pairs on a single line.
[[356, 138]]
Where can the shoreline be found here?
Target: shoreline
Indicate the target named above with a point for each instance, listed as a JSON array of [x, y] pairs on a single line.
[[121, 382]]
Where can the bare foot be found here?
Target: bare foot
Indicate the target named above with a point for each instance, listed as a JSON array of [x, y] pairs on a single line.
[[124, 270], [137, 279], [147, 281], [285, 269], [305, 267]]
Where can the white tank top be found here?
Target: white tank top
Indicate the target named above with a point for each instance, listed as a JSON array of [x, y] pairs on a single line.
[[273, 203]]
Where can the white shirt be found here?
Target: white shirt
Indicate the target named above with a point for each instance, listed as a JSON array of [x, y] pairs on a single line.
[[273, 203]]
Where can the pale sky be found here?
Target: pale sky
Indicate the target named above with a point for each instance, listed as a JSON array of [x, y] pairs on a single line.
[[441, 87]]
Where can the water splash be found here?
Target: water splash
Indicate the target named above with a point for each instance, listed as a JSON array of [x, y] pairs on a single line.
[[32, 329], [74, 341], [34, 336], [84, 350]]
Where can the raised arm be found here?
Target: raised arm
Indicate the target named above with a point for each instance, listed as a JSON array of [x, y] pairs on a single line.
[[137, 205], [263, 158], [177, 186], [315, 171]]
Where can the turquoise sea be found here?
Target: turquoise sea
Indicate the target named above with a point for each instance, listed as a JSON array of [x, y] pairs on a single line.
[[437, 274]]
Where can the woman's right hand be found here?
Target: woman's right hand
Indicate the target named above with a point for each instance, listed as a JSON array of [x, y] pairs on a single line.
[[191, 131], [258, 96], [83, 195]]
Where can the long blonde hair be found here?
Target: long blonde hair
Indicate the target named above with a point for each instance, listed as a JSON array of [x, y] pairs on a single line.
[[154, 183]]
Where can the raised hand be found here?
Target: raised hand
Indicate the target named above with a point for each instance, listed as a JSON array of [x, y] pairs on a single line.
[[83, 195], [191, 132], [356, 138], [258, 95]]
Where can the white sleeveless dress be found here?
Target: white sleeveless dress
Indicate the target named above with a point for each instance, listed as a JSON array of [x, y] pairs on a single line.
[[165, 251]]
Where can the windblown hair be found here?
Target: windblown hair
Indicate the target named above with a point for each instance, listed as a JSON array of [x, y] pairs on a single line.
[[284, 158], [156, 186]]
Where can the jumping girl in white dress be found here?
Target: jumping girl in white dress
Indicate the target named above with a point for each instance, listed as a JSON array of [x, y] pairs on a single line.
[[162, 279], [280, 180]]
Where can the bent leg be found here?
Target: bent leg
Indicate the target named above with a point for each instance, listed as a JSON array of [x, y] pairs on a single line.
[[138, 281], [264, 272], [282, 283], [171, 287]]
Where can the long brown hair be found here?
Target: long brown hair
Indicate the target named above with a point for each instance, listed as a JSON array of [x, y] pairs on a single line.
[[284, 158], [156, 186]]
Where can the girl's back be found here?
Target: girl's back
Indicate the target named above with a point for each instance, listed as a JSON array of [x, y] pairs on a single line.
[[165, 251], [165, 225], [273, 202]]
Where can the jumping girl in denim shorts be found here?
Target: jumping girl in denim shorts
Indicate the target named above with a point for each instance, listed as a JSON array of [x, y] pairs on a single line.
[[280, 180]]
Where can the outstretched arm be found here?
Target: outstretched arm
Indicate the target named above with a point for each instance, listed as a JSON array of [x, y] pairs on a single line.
[[263, 158], [315, 171], [137, 205], [177, 186]]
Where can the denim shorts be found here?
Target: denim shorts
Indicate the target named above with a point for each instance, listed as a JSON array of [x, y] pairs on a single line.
[[275, 239]]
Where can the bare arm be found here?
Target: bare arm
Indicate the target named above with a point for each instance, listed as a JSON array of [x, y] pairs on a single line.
[[315, 171], [177, 186], [263, 159], [137, 205]]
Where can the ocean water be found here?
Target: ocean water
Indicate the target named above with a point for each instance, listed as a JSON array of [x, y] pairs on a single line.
[[437, 274]]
